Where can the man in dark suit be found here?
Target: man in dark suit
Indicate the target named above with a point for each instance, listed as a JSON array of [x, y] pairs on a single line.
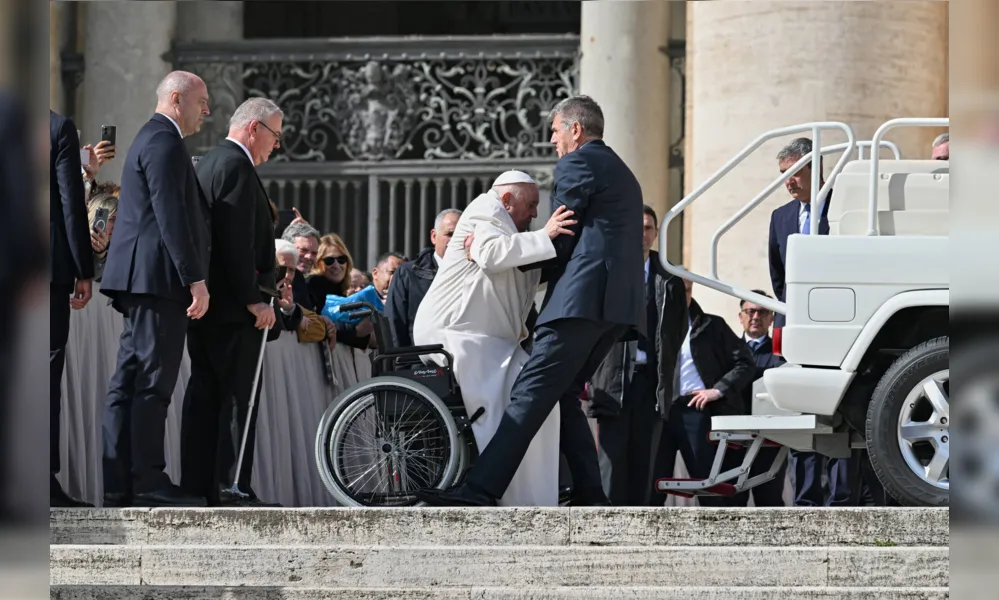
[[413, 278], [155, 274], [756, 321], [72, 271], [793, 218], [225, 345], [623, 389], [596, 294]]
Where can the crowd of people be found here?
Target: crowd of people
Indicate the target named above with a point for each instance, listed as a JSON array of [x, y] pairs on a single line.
[[616, 373]]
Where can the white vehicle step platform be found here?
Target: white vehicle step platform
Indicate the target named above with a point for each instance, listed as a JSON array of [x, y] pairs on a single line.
[[733, 481]]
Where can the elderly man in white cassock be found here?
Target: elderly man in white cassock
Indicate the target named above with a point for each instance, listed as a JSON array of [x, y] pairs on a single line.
[[476, 308]]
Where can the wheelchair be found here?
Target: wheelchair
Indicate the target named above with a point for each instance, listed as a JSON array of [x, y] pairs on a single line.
[[403, 430]]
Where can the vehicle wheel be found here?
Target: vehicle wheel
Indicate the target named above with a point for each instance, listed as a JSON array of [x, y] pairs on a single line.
[[908, 426]]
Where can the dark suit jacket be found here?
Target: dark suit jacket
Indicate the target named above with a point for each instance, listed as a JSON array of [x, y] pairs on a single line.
[[723, 360], [242, 257], [161, 235], [409, 286], [784, 224], [69, 232], [599, 273]]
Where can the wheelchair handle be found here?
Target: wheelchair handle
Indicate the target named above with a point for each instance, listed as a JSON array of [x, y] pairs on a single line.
[[360, 314], [352, 306]]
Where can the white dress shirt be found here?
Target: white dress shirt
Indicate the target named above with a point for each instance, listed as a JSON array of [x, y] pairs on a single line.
[[690, 379], [438, 260], [179, 132], [640, 357], [248, 155]]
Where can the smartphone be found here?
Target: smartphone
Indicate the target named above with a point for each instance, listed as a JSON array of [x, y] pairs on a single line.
[[285, 217], [109, 133], [101, 219]]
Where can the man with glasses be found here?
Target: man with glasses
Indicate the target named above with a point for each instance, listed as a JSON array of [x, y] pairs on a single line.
[[756, 322], [224, 346]]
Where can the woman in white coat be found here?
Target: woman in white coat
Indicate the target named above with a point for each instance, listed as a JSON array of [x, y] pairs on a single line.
[[476, 308]]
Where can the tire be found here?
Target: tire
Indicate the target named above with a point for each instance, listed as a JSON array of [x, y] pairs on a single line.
[[913, 463], [358, 398]]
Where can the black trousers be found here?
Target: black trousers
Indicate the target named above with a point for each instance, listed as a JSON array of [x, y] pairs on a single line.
[[149, 356], [216, 403], [628, 443], [566, 353], [58, 338]]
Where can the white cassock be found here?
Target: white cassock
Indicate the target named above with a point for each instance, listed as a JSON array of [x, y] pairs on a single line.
[[477, 310]]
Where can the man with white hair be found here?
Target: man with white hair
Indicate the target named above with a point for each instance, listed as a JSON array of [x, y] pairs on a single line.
[[225, 344], [155, 275], [477, 309], [941, 147], [412, 279]]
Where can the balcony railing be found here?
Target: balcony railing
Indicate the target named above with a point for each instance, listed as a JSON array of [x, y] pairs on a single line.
[[379, 133]]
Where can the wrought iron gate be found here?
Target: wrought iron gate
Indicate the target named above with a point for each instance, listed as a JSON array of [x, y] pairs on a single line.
[[380, 134]]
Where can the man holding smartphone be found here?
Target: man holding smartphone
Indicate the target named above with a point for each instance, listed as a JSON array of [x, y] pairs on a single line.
[[156, 275]]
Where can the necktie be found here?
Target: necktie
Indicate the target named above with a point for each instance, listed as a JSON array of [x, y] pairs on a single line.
[[754, 345], [806, 228]]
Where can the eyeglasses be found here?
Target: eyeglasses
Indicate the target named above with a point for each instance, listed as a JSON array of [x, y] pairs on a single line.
[[277, 136], [753, 312], [329, 260]]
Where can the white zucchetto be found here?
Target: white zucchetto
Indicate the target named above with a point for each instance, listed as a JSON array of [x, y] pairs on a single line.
[[511, 177]]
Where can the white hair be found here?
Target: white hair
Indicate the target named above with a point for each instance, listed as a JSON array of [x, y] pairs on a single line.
[[254, 109], [440, 217], [176, 81], [943, 138], [286, 248]]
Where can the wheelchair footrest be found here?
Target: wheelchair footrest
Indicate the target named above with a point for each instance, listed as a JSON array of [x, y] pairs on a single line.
[[688, 488]]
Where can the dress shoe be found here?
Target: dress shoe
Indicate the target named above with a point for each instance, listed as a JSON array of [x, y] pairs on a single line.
[[231, 498], [117, 500], [168, 496], [60, 499], [461, 495]]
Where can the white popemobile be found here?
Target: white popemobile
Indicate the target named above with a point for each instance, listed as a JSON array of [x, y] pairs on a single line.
[[866, 338]]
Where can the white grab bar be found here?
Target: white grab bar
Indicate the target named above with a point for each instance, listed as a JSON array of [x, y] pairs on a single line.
[[872, 227], [780, 181], [712, 282], [870, 144]]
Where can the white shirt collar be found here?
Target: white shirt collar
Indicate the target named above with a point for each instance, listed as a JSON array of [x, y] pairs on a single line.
[[248, 155], [439, 260], [647, 268], [762, 338], [179, 132]]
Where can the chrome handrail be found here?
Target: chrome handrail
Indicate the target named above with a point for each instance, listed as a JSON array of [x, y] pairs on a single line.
[[872, 224], [712, 282], [780, 181]]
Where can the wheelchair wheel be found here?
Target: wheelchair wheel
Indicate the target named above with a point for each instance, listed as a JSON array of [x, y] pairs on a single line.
[[385, 438]]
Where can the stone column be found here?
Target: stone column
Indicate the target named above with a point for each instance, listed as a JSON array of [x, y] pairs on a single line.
[[624, 70], [123, 60], [761, 65], [57, 19]]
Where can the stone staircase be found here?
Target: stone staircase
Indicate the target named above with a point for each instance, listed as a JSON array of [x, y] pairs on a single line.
[[499, 554]]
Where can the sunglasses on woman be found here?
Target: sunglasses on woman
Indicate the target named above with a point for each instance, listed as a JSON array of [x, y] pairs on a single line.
[[329, 260]]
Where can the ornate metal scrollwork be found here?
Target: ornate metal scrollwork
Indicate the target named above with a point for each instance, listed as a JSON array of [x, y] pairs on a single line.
[[452, 104]]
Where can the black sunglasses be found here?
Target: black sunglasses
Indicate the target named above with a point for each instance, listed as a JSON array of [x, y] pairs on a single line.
[[329, 260]]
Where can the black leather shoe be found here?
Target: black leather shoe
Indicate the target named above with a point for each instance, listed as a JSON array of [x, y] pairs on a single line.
[[60, 499], [117, 500], [230, 498], [462, 495], [168, 496]]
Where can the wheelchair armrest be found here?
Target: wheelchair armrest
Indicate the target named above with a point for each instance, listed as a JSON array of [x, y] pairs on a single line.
[[414, 350]]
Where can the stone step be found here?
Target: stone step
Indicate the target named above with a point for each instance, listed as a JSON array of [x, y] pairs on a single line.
[[499, 566], [778, 527], [84, 592]]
